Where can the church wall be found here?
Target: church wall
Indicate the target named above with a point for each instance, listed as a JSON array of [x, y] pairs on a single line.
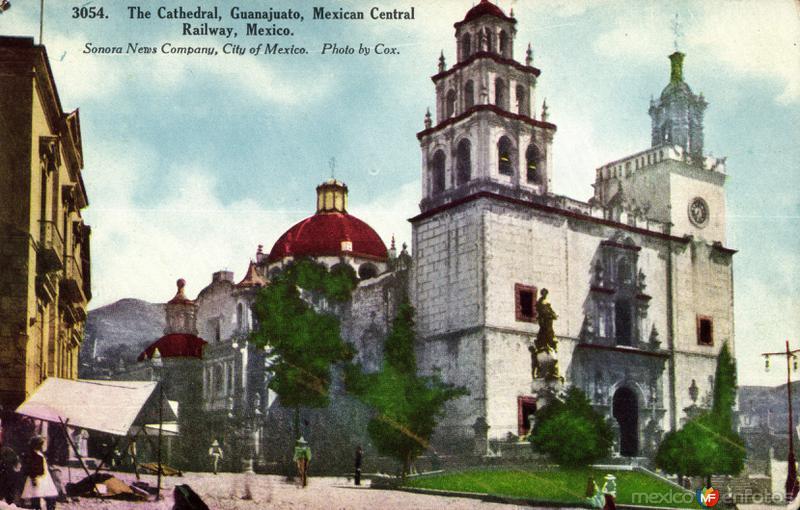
[[649, 188], [447, 285], [368, 319], [217, 302], [688, 368], [459, 359], [693, 182], [703, 286]]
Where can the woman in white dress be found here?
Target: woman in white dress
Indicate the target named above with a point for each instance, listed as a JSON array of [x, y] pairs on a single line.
[[38, 482]]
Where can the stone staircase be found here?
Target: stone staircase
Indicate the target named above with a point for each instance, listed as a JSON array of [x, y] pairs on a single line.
[[744, 489]]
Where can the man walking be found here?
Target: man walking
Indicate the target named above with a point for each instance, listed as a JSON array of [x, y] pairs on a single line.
[[215, 452], [302, 456], [359, 455]]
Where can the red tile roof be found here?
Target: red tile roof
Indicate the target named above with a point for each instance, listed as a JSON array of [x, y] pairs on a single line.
[[252, 278], [323, 233], [484, 8], [175, 345]]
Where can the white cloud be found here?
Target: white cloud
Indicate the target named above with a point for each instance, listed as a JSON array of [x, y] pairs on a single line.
[[765, 320], [756, 39], [140, 251]]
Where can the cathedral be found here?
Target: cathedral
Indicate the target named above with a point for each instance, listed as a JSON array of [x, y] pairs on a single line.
[[639, 275]]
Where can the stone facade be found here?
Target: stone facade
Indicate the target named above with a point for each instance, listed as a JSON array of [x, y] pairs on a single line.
[[638, 275], [44, 244]]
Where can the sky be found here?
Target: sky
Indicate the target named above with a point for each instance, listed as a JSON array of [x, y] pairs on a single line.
[[192, 162]]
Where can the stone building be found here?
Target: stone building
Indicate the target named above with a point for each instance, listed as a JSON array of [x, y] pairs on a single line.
[[639, 275], [220, 379], [45, 281]]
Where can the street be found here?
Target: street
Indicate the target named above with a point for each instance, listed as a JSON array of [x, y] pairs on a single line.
[[225, 492]]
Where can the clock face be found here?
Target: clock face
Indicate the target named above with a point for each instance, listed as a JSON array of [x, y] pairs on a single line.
[[698, 212]]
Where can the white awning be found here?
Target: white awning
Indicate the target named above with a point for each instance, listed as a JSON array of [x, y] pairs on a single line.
[[112, 407], [168, 428]]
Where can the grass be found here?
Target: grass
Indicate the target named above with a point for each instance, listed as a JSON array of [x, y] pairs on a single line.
[[558, 486]]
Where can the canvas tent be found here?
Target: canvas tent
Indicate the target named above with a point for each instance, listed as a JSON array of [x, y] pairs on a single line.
[[114, 407], [120, 408]]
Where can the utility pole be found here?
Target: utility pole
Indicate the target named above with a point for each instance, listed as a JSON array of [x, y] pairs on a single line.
[[792, 487]]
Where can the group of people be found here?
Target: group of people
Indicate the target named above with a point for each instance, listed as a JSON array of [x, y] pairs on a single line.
[[38, 482]]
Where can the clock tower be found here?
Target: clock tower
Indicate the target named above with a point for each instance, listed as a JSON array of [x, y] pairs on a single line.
[[673, 181]]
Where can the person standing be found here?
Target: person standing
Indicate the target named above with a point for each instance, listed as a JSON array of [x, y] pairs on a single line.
[[215, 452], [38, 482], [9, 466], [302, 456], [359, 456], [132, 457]]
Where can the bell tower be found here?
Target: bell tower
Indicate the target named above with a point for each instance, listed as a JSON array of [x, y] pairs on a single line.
[[485, 136], [677, 116]]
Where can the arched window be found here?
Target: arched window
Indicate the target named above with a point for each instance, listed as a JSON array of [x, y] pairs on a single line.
[[451, 104], [532, 159], [500, 94], [240, 318], [666, 132], [522, 101], [469, 95], [504, 163], [489, 39], [503, 43], [463, 162], [367, 270], [437, 172], [466, 46]]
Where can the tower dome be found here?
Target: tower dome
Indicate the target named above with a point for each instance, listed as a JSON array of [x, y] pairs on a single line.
[[331, 232], [484, 8]]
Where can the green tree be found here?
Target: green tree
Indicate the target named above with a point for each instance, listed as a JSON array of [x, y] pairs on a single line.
[[407, 405], [571, 432], [708, 444], [304, 341]]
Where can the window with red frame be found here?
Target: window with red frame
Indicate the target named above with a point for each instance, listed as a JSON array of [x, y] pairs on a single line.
[[525, 302], [705, 330]]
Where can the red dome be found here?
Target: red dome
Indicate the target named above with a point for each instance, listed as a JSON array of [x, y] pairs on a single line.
[[323, 234], [484, 8], [175, 345]]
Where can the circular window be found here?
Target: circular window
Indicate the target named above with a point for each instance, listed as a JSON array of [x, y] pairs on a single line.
[[698, 212]]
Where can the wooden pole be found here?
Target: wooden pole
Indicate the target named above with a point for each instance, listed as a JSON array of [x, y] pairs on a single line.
[[791, 471], [78, 454], [41, 21], [160, 431]]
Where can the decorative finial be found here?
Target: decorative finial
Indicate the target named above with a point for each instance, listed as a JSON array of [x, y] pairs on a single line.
[[545, 113], [332, 164], [442, 65], [393, 249], [428, 121], [677, 31], [511, 13], [181, 283], [260, 249], [529, 55]]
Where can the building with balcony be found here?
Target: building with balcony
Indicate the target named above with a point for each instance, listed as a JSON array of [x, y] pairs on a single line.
[[44, 243]]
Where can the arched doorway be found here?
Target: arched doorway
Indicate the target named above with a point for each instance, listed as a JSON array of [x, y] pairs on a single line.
[[626, 412]]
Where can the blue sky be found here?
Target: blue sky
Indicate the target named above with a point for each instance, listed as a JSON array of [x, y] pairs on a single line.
[[191, 162]]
